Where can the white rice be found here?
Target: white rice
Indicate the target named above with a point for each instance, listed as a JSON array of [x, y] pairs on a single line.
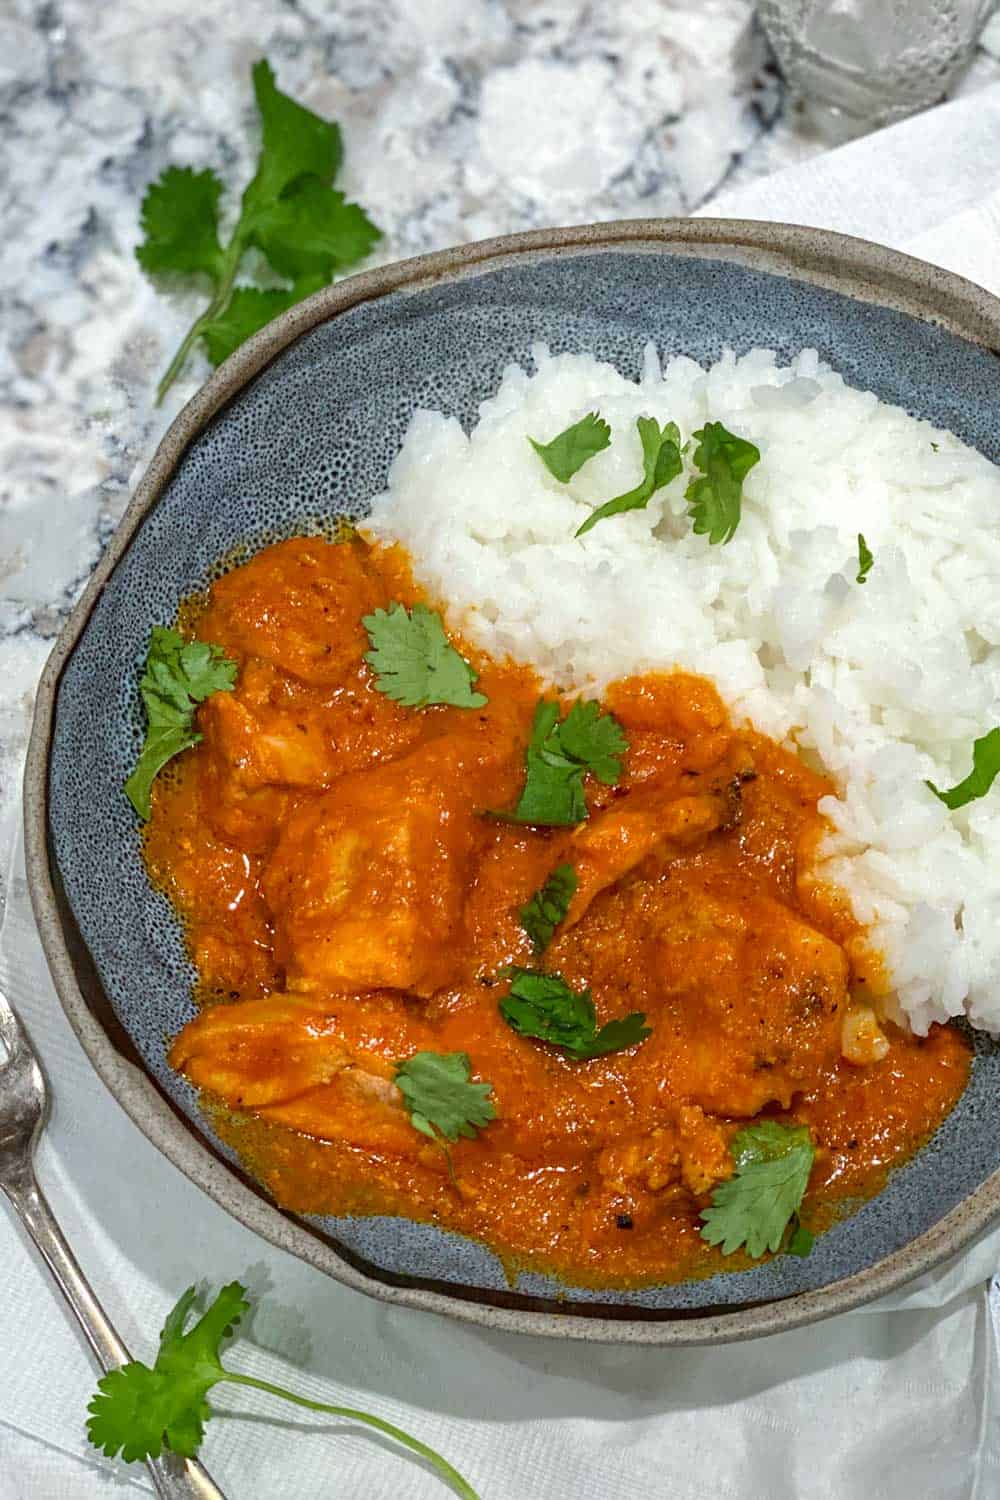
[[888, 683]]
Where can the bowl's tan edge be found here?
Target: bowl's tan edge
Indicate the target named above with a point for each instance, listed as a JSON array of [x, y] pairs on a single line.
[[854, 267]]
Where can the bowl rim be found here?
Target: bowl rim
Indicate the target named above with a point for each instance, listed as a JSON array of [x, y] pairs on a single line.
[[857, 268]]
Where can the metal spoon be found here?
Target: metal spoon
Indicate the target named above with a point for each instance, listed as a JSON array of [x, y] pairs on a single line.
[[23, 1111]]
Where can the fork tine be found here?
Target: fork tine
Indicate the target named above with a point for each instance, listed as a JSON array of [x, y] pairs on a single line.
[[17, 1055], [11, 1032]]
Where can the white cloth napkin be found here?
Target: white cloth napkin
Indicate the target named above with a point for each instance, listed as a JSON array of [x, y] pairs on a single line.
[[890, 1403], [930, 186]]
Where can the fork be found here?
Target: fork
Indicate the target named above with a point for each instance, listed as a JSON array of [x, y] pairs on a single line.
[[23, 1111]]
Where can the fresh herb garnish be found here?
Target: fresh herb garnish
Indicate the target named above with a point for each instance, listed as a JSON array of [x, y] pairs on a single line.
[[542, 914], [865, 559], [138, 1410], [439, 1096], [985, 770], [572, 448], [553, 788], [800, 1239], [715, 500], [557, 756], [290, 213], [178, 676], [414, 661], [595, 739], [543, 1006], [661, 462], [754, 1208], [248, 310]]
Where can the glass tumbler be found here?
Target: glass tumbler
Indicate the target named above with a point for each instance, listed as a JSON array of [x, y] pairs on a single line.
[[860, 64]]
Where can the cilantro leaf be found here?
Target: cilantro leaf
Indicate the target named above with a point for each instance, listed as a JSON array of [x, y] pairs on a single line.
[[415, 663], [250, 309], [754, 1208], [985, 770], [552, 796], [557, 756], [315, 232], [573, 447], [295, 143], [865, 559], [180, 219], [178, 676], [553, 787], [801, 1239], [594, 739], [439, 1095], [139, 1410], [543, 1006], [161, 745], [715, 500], [290, 212], [661, 462], [542, 914]]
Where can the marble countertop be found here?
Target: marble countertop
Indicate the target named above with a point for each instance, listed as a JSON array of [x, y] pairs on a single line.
[[461, 119]]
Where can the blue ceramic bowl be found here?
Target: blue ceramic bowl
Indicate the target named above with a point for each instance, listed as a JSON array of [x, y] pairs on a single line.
[[301, 426]]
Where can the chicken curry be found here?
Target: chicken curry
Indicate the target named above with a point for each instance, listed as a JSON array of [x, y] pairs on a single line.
[[352, 900]]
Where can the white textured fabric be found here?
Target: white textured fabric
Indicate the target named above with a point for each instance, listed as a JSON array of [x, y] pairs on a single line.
[[894, 1402], [929, 187]]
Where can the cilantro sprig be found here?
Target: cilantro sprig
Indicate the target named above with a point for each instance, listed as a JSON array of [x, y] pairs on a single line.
[[140, 1409], [985, 770], [414, 661], [541, 915], [866, 559], [572, 448], [758, 1204], [715, 500], [178, 676], [543, 1006], [440, 1096], [558, 755], [661, 462], [290, 213]]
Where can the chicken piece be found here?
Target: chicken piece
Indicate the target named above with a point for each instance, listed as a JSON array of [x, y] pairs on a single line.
[[704, 1150], [368, 881], [862, 1040], [676, 724], [325, 588], [745, 999], [617, 840], [693, 1152], [361, 1109], [276, 749], [771, 990], [368, 896], [274, 735], [260, 1052], [294, 1065], [245, 771], [652, 823], [245, 818]]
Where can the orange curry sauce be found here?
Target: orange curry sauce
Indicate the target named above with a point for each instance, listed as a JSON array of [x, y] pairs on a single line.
[[348, 904]]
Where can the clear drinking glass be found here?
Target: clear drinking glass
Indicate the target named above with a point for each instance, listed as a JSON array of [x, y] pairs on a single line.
[[860, 64]]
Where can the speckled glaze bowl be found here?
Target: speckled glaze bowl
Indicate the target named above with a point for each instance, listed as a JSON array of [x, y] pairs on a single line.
[[300, 426]]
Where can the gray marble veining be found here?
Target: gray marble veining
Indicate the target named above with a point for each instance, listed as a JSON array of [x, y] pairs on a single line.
[[462, 119]]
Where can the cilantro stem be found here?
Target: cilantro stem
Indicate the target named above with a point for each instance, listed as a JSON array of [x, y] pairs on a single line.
[[218, 305], [448, 1474]]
